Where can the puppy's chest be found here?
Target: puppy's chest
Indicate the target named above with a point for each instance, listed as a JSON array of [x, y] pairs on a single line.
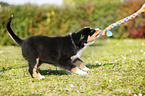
[[79, 53]]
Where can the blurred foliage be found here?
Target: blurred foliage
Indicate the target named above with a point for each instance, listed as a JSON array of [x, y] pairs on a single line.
[[73, 15], [134, 28], [3, 4]]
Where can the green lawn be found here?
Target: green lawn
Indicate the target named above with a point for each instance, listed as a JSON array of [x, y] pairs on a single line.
[[117, 67]]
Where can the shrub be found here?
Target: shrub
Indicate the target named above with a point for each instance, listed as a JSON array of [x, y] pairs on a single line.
[[52, 20], [134, 28]]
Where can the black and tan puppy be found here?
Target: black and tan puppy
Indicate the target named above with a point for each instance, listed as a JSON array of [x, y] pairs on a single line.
[[58, 51]]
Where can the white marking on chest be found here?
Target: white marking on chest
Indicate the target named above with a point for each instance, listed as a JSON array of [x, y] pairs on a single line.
[[78, 55]]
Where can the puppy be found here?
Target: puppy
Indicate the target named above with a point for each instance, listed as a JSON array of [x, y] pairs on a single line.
[[62, 51]]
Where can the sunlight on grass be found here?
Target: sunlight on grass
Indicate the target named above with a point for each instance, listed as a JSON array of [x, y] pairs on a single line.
[[117, 67]]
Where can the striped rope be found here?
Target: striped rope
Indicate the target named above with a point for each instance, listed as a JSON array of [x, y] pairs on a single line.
[[120, 22]]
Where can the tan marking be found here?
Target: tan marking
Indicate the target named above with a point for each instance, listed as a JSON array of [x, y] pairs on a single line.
[[93, 37], [12, 37], [79, 64], [74, 69], [78, 71], [72, 57], [35, 70]]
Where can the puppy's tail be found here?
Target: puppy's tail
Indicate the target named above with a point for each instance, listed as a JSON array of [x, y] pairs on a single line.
[[15, 38]]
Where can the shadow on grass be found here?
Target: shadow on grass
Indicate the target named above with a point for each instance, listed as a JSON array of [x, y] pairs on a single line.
[[53, 72], [99, 44], [63, 72], [43, 72], [58, 72], [98, 65], [10, 68]]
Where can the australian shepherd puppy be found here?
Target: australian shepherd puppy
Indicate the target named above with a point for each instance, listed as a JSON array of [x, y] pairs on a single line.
[[62, 51]]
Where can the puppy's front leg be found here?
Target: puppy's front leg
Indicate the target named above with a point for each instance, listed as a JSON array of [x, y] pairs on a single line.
[[72, 67], [78, 71], [80, 64]]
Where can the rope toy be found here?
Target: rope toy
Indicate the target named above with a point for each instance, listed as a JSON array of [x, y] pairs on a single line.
[[107, 29]]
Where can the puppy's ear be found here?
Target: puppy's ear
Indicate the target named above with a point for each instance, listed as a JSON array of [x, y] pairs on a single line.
[[81, 38], [81, 41]]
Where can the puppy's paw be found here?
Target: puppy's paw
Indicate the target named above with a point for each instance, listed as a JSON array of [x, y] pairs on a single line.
[[80, 72], [40, 76], [86, 69]]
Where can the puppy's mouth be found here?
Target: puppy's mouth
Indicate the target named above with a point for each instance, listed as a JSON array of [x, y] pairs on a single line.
[[89, 43], [94, 36]]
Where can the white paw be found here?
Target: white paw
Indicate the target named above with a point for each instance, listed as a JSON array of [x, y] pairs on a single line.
[[86, 69], [80, 72], [41, 76]]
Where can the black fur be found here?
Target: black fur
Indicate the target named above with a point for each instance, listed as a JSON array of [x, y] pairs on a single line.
[[52, 50]]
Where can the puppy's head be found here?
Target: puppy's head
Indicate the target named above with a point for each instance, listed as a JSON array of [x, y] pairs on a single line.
[[88, 34]]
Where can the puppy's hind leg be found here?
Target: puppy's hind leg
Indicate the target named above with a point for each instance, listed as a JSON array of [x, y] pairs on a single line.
[[33, 69]]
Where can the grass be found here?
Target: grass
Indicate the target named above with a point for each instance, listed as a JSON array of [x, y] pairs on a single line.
[[117, 67]]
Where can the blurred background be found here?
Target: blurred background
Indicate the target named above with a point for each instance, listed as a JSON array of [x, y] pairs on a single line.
[[59, 17]]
